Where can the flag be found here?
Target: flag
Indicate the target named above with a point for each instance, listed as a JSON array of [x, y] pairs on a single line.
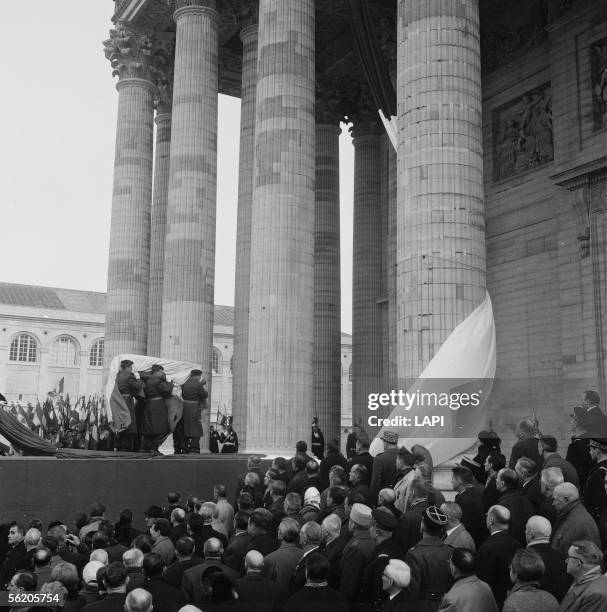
[[464, 363], [24, 417], [37, 415]]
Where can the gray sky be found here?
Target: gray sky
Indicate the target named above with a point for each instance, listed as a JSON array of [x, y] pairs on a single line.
[[57, 154]]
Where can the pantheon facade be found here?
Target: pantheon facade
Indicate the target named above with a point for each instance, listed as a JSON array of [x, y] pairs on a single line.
[[497, 183]]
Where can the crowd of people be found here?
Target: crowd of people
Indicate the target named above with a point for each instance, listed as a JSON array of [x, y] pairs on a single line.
[[524, 533]]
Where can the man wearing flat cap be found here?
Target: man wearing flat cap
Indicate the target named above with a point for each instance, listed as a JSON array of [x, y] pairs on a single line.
[[357, 553], [384, 465], [429, 562], [593, 493], [130, 388], [383, 524], [189, 429]]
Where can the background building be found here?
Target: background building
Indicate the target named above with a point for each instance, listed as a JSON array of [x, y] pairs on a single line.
[[53, 340]]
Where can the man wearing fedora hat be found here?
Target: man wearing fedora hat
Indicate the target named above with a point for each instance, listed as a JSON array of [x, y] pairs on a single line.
[[384, 465], [593, 493]]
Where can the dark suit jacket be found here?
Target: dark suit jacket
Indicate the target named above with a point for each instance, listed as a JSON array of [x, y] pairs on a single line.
[[206, 533], [365, 459], [492, 561], [318, 599], [165, 596], [259, 593], [113, 602], [569, 472], [234, 554], [333, 551], [556, 579], [384, 471], [191, 582], [16, 558], [470, 501], [527, 447], [407, 532], [532, 490], [331, 458], [174, 573], [521, 510]]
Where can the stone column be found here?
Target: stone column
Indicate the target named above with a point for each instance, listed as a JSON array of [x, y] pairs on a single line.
[[367, 265], [189, 260], [280, 387], [248, 35], [164, 78], [327, 286], [440, 214], [130, 54]]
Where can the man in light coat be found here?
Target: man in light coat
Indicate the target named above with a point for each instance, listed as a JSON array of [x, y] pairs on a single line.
[[588, 593]]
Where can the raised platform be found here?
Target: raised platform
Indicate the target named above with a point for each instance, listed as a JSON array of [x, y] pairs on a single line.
[[49, 488]]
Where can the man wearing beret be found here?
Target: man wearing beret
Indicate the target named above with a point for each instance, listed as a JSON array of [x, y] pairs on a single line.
[[357, 553], [189, 429], [383, 524], [593, 494], [384, 465], [429, 562], [130, 388]]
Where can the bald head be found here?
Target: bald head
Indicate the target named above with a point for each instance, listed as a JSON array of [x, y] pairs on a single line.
[[253, 561], [138, 600], [330, 527], [212, 548], [190, 608], [538, 528], [567, 490], [498, 518], [132, 557], [387, 496]]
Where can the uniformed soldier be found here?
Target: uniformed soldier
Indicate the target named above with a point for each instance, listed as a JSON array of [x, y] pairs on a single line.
[[429, 562], [318, 440], [213, 440], [594, 495], [228, 438], [130, 387], [194, 397], [356, 556], [155, 424]]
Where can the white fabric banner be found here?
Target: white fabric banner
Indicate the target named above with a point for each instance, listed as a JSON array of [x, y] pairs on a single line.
[[467, 357]]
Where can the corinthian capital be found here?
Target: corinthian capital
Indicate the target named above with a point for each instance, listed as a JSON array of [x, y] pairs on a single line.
[[131, 53], [162, 68]]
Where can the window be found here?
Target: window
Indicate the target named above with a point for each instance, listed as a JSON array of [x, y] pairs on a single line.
[[216, 361], [96, 354], [64, 352], [23, 348]]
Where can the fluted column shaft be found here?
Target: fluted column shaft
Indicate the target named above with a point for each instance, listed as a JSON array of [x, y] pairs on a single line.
[[279, 386], [440, 215], [248, 36], [158, 229], [327, 286], [366, 270], [129, 255], [189, 262]]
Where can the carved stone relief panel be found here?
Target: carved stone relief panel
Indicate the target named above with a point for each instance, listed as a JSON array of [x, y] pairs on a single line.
[[522, 133], [598, 68]]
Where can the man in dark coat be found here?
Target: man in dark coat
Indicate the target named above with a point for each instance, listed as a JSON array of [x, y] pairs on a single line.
[[531, 487], [351, 442], [155, 424], [593, 493], [16, 557], [333, 544], [429, 563], [260, 523], [556, 579], [191, 583], [213, 440], [200, 530], [167, 597], [359, 478], [469, 497], [318, 440], [187, 434], [407, 533], [316, 594], [357, 553], [521, 509], [548, 447], [185, 559], [114, 583], [130, 387], [596, 419], [260, 593], [384, 465], [362, 456], [577, 451], [494, 555], [299, 482], [526, 445], [333, 457], [239, 542]]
